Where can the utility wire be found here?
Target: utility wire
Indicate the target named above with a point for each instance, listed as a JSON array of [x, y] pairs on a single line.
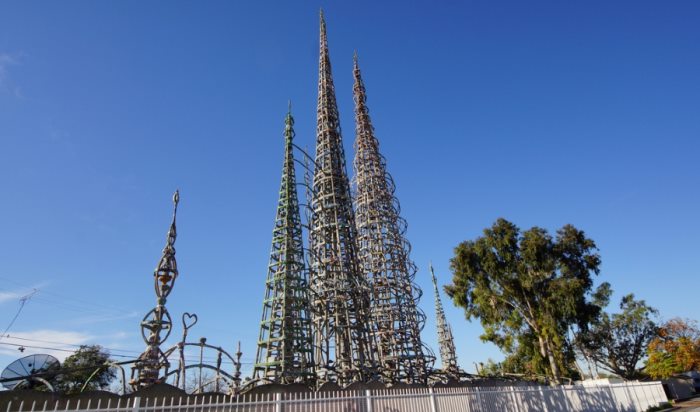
[[65, 343], [22, 301], [173, 356], [111, 350], [64, 298]]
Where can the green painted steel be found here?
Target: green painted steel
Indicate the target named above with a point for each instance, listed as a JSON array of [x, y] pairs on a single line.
[[284, 344]]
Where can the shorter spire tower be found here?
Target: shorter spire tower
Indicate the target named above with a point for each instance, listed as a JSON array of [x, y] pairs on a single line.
[[448, 353], [158, 321], [284, 344]]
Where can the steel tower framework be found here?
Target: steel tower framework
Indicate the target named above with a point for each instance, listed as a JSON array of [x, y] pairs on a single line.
[[343, 347], [448, 353], [158, 321], [284, 345], [384, 255]]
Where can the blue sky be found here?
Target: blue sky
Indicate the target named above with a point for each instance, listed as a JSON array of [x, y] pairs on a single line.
[[542, 112]]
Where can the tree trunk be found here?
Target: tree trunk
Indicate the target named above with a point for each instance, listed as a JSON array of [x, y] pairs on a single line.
[[543, 350], [552, 362]]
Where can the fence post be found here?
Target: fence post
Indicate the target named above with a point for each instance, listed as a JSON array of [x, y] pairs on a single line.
[[433, 401], [368, 399], [514, 397], [544, 400], [278, 402], [136, 404], [567, 401]]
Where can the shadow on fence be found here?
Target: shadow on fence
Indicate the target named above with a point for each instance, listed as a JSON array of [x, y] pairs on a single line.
[[624, 397]]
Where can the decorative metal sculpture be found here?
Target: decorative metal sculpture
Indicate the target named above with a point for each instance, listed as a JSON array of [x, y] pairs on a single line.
[[219, 381], [284, 345], [158, 320], [448, 353], [384, 255], [343, 347]]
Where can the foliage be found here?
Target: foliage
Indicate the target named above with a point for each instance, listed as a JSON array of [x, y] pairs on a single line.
[[619, 342], [78, 368], [529, 290], [676, 349], [490, 368], [659, 407]]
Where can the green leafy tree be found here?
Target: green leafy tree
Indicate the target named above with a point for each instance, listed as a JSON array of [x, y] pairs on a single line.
[[80, 366], [619, 342], [529, 290], [490, 368], [675, 349]]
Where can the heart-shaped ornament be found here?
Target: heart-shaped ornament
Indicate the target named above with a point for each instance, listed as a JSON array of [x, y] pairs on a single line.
[[189, 320]]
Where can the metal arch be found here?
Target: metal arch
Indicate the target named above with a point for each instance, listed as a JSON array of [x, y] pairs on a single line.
[[117, 365], [233, 379], [39, 379]]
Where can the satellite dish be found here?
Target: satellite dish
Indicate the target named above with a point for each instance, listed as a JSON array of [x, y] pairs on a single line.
[[20, 372]]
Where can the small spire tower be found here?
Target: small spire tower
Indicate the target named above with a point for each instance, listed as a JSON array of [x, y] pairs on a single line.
[[384, 255], [158, 322], [448, 353], [343, 346], [284, 345]]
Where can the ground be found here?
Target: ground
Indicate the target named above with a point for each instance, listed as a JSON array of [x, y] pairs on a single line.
[[691, 405]]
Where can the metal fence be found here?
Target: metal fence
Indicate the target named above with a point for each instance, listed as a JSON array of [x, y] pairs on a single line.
[[623, 397]]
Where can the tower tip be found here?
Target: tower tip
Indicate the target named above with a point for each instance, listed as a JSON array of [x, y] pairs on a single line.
[[432, 273], [176, 198], [322, 28], [288, 123]]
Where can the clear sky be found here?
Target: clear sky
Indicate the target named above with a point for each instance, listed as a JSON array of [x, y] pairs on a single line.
[[541, 112]]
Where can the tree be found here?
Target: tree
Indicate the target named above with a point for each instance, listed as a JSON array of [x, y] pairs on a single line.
[[529, 290], [490, 368], [79, 367], [619, 342], [676, 349]]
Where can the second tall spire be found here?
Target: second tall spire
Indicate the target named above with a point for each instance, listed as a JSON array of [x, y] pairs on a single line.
[[343, 344]]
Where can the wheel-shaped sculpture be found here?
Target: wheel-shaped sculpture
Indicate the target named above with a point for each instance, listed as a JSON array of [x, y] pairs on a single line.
[[155, 321]]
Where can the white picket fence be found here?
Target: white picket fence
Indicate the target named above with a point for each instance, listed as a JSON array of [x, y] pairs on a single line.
[[623, 397]]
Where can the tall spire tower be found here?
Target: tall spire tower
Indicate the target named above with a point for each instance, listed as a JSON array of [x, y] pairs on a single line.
[[284, 344], [384, 255], [343, 347], [448, 354], [157, 324]]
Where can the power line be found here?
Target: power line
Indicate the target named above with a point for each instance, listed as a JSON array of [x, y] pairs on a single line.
[[64, 343], [79, 308], [173, 356], [22, 301], [53, 349], [70, 344], [63, 297]]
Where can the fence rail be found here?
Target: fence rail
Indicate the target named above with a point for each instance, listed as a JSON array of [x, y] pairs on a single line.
[[623, 397]]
